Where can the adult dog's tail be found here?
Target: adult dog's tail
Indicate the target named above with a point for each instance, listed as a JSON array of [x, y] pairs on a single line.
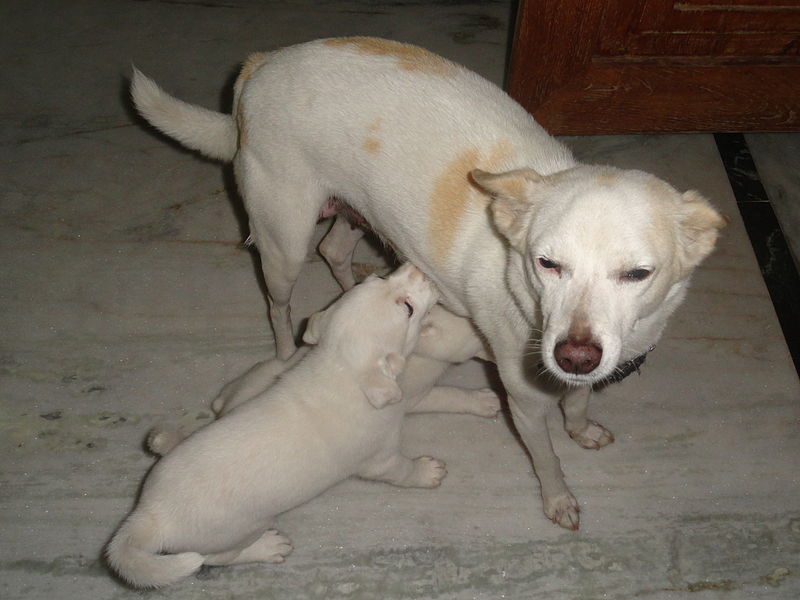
[[212, 133], [133, 554]]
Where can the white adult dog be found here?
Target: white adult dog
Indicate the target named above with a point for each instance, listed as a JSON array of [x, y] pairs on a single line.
[[582, 263], [212, 499]]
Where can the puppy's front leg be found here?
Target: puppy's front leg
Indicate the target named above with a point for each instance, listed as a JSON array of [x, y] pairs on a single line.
[[585, 432], [529, 410], [447, 399], [423, 472]]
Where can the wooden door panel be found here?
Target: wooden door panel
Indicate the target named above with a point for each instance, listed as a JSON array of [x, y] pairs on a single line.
[[595, 66]]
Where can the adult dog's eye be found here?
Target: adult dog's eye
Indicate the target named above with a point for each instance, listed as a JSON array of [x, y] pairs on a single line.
[[635, 275], [548, 264]]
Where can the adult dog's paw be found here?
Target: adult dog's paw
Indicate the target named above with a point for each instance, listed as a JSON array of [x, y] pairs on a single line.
[[594, 437], [563, 510], [484, 403], [429, 472]]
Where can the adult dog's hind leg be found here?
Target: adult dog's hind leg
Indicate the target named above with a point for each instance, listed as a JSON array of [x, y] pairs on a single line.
[[337, 249], [585, 432], [282, 219]]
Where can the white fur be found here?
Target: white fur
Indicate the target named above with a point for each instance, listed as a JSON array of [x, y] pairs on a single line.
[[212, 499], [463, 183], [445, 339]]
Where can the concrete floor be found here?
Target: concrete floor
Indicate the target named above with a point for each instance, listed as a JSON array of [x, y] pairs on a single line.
[[127, 300]]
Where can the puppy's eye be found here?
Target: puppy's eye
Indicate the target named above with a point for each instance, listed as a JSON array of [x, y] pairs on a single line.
[[635, 275], [548, 264], [408, 306]]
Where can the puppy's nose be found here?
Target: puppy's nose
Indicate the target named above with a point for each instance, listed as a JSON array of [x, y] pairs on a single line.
[[577, 357]]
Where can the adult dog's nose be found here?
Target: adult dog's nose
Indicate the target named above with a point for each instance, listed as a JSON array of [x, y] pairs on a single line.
[[577, 357]]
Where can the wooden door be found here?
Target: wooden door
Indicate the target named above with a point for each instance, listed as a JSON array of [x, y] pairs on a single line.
[[616, 66]]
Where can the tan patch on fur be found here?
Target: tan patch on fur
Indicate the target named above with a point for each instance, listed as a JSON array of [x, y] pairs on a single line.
[[409, 58], [607, 179], [240, 125], [660, 189], [251, 64], [453, 192], [371, 143]]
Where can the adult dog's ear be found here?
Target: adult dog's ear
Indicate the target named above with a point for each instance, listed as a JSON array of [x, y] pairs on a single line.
[[315, 328], [380, 385], [511, 201], [699, 226]]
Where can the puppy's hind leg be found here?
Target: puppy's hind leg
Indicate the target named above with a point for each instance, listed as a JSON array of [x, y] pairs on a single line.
[[586, 433], [271, 547], [423, 472], [282, 219], [337, 249]]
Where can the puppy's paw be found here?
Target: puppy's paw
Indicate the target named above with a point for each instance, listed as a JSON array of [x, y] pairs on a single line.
[[563, 510], [428, 472], [218, 404], [484, 403], [273, 547], [594, 437], [161, 440]]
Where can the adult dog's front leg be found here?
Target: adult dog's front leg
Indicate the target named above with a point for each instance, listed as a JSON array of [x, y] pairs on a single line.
[[588, 434], [529, 409]]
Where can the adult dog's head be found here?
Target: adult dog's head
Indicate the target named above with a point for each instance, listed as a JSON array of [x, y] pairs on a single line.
[[607, 253]]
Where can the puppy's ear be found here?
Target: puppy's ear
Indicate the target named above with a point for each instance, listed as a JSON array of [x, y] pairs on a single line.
[[511, 203], [379, 385], [315, 328], [699, 226], [392, 365]]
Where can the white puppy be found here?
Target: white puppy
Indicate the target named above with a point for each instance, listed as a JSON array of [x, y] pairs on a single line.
[[212, 499], [583, 264], [445, 340]]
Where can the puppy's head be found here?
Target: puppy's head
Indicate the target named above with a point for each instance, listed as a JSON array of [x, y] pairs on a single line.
[[606, 252], [374, 327]]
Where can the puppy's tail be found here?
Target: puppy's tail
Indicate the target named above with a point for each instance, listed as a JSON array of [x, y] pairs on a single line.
[[133, 554], [211, 133]]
